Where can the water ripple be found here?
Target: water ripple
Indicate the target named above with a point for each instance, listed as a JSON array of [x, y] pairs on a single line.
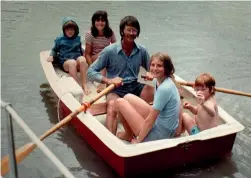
[[199, 36]]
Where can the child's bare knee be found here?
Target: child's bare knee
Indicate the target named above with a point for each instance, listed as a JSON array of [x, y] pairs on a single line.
[[185, 115]]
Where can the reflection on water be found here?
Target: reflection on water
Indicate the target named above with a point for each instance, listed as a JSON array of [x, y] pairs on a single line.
[[90, 164], [200, 37]]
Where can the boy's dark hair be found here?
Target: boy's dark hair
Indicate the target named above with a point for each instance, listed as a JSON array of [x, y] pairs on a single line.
[[101, 15], [71, 24], [167, 62], [129, 21], [205, 79]]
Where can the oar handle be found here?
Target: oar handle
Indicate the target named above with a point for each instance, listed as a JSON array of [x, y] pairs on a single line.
[[223, 90], [24, 151]]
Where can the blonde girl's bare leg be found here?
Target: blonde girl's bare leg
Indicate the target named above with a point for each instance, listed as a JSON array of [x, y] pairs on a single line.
[[143, 108], [134, 111], [127, 134], [83, 66], [147, 93], [111, 116], [71, 66]]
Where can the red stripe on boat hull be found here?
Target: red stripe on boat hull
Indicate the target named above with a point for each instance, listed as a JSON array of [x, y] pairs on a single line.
[[184, 154]]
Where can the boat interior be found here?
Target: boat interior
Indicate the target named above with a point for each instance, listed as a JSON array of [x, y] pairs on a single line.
[[71, 94], [99, 108]]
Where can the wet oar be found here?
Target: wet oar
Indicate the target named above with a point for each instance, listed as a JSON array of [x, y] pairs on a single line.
[[223, 90], [24, 151]]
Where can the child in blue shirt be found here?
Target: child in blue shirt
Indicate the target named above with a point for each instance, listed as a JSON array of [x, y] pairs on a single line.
[[68, 50]]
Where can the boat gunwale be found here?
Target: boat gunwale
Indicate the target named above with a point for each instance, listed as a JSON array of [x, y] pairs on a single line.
[[231, 126]]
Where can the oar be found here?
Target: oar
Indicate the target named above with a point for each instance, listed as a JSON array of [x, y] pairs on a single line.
[[223, 90], [24, 151]]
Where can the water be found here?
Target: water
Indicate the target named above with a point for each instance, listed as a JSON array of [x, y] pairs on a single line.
[[200, 37]]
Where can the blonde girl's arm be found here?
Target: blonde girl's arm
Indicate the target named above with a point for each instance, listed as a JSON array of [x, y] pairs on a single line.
[[148, 125]]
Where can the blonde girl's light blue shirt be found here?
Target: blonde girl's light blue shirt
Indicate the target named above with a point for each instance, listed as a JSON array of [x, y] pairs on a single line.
[[167, 101]]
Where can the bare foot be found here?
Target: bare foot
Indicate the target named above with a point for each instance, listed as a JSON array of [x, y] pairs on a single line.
[[124, 136], [100, 87], [87, 91]]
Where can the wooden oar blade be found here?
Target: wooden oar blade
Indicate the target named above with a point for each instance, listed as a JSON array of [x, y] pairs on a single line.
[[21, 153], [24, 151]]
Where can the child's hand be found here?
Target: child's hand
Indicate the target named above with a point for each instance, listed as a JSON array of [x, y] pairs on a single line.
[[200, 97], [50, 59], [186, 105]]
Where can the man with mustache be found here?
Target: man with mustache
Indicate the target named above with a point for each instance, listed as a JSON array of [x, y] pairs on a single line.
[[122, 61]]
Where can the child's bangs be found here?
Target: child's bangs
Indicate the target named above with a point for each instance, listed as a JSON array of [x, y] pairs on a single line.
[[200, 81], [205, 80], [70, 25]]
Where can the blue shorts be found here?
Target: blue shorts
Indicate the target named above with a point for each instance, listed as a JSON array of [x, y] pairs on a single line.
[[133, 88], [157, 133], [195, 130]]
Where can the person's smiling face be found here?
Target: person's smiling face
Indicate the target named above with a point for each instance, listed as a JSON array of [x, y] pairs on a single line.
[[157, 68], [100, 24], [69, 32], [130, 33]]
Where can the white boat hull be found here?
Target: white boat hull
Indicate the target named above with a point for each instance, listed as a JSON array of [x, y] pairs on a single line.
[[127, 159]]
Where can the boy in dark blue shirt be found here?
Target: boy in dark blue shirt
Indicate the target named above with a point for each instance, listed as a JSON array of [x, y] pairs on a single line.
[[68, 49]]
